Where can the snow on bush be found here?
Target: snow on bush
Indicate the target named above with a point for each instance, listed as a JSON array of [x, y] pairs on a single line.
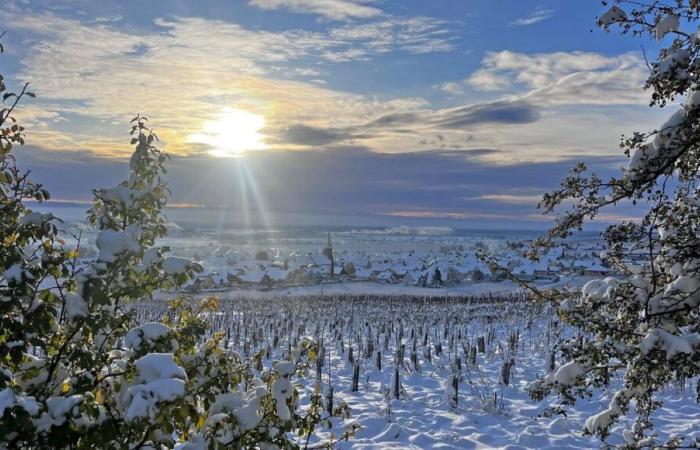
[[147, 333], [644, 326], [78, 371]]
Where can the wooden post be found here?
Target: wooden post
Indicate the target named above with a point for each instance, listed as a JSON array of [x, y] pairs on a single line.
[[355, 378]]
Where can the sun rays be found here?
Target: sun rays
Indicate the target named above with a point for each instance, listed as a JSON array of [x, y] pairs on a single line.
[[231, 133]]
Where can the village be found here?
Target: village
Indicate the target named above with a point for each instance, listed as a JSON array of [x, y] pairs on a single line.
[[446, 264]]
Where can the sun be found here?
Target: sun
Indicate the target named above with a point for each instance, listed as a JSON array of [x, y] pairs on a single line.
[[231, 133]]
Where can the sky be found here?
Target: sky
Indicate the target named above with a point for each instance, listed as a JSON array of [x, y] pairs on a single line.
[[366, 111]]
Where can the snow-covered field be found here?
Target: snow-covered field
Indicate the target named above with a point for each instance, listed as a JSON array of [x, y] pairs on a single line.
[[426, 340]]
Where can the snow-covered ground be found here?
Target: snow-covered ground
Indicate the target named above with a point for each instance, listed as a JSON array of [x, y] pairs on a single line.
[[487, 414]]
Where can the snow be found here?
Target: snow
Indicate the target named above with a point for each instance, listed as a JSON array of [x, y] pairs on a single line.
[[281, 392], [156, 366], [423, 417], [285, 368], [148, 332], [600, 289], [613, 15], [567, 374], [685, 284], [123, 194], [602, 420], [230, 402], [14, 274], [693, 99], [667, 25], [76, 306], [36, 218], [669, 343], [145, 397], [662, 145], [174, 265], [150, 257], [7, 400], [162, 381], [59, 409], [112, 243]]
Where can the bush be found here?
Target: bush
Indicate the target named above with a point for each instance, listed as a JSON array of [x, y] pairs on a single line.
[[77, 371]]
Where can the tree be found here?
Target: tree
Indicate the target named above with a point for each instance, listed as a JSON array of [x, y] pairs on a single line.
[[78, 371], [645, 325]]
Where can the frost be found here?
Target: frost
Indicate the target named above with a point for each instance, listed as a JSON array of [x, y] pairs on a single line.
[[667, 25], [611, 16], [112, 243], [148, 332]]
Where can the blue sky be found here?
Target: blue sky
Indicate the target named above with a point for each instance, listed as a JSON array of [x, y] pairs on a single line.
[[458, 112]]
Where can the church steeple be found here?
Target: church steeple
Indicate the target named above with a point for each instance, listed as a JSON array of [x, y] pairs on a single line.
[[328, 252]]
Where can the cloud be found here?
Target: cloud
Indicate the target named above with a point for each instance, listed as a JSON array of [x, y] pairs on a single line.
[[104, 75], [537, 16], [451, 87], [505, 113], [330, 9], [518, 199], [300, 134], [91, 78], [564, 77], [342, 180]]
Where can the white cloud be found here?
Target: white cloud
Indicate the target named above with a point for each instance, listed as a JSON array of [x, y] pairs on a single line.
[[537, 16], [93, 77], [330, 9], [190, 68], [563, 77], [451, 87], [516, 199]]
